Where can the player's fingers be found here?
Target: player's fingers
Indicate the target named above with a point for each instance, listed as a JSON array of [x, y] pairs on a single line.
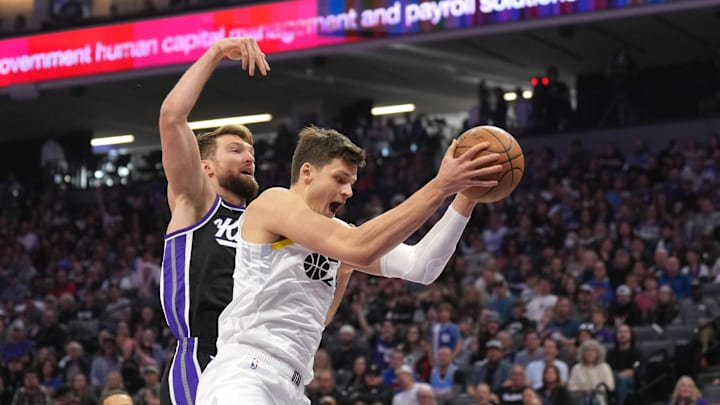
[[485, 159], [252, 53], [451, 149], [485, 171], [260, 60], [244, 53], [474, 150], [484, 183]]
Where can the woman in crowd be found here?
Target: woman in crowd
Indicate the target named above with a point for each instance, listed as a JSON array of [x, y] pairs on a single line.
[[686, 393], [553, 391], [591, 372]]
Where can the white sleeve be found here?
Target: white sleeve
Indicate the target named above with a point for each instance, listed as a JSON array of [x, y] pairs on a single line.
[[423, 262]]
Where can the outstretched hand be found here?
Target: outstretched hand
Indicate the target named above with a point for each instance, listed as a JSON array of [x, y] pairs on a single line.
[[459, 173], [248, 51]]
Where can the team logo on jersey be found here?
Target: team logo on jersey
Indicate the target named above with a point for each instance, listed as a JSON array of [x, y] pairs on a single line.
[[317, 267], [254, 363], [227, 231]]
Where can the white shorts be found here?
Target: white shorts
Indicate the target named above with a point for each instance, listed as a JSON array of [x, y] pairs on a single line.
[[241, 374]]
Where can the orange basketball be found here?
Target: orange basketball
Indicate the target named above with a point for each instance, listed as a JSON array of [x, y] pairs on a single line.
[[512, 160]]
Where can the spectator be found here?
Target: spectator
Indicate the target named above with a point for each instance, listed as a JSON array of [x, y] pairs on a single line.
[[493, 371], [624, 311], [543, 301], [518, 322], [82, 391], [667, 309], [407, 395], [346, 351], [553, 391], [649, 296], [582, 310], [425, 395], [105, 362], [534, 370], [532, 350], [624, 359], [505, 339], [325, 387], [500, 302], [562, 327], [445, 333], [32, 393], [484, 396], [151, 375], [445, 376], [600, 283], [74, 362], [372, 390], [680, 283], [591, 371], [686, 393], [20, 344], [512, 393], [390, 379], [115, 397]]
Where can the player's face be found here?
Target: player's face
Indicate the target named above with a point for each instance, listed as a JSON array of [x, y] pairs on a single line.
[[331, 186], [234, 165]]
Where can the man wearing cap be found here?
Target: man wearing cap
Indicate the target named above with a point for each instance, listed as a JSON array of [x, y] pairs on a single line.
[[20, 345], [343, 354], [408, 388], [493, 370], [151, 375], [624, 310], [582, 310], [372, 389]]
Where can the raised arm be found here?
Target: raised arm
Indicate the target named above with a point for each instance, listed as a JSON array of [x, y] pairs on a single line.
[[180, 152], [283, 212]]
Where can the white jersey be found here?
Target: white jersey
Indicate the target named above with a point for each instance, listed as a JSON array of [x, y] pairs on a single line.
[[282, 293]]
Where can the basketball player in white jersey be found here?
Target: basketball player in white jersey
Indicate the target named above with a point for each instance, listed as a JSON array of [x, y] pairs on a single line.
[[288, 251], [209, 180]]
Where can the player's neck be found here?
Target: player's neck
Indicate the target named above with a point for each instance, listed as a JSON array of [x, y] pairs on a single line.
[[230, 197]]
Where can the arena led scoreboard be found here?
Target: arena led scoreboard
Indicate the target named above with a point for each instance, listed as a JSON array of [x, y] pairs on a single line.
[[282, 26]]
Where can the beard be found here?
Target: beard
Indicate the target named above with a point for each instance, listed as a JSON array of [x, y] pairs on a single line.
[[245, 187]]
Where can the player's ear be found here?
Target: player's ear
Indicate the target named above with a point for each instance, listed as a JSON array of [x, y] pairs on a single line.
[[207, 167], [306, 172]]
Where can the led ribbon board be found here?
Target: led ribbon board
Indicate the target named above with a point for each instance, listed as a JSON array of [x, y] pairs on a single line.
[[279, 27]]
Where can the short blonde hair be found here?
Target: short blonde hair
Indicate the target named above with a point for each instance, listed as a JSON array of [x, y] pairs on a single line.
[[207, 140]]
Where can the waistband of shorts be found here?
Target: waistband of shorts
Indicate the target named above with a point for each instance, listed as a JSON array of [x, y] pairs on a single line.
[[264, 358]]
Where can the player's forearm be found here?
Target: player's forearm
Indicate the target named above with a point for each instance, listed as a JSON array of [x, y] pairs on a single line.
[[379, 235], [424, 262], [181, 100]]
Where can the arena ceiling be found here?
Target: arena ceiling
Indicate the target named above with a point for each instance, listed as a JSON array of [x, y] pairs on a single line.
[[438, 76]]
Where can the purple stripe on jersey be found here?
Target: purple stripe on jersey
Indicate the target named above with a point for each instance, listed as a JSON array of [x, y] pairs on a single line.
[[184, 374], [204, 218], [168, 275], [192, 366], [180, 292]]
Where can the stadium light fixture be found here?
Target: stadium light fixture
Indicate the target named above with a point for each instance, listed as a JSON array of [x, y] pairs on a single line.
[[393, 109], [239, 120], [112, 140], [527, 94], [510, 96]]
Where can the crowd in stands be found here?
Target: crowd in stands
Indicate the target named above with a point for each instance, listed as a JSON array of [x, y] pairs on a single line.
[[538, 305]]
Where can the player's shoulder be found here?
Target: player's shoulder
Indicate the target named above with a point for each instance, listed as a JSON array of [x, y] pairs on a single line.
[[272, 199]]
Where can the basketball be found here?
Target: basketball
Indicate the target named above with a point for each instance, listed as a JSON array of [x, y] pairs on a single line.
[[512, 160]]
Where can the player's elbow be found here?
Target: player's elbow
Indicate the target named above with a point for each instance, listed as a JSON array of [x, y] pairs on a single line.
[[170, 115]]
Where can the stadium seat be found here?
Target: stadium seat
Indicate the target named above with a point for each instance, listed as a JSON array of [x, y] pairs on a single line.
[[680, 334], [711, 393], [651, 347], [646, 332]]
